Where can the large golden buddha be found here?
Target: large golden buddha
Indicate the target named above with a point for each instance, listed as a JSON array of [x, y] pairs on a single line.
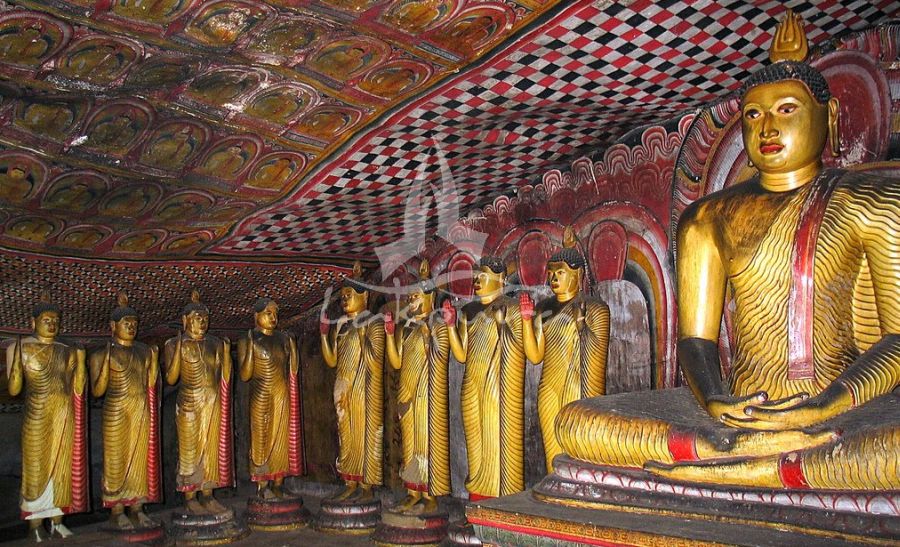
[[54, 440], [811, 258], [356, 349], [126, 371], [569, 333], [420, 349], [487, 340]]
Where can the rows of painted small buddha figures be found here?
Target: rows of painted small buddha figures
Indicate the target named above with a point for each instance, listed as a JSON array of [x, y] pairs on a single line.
[[809, 404], [492, 336]]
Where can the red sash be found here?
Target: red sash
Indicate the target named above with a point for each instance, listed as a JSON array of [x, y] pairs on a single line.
[[802, 296]]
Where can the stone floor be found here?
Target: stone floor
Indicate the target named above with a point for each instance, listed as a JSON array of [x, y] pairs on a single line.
[[90, 534]]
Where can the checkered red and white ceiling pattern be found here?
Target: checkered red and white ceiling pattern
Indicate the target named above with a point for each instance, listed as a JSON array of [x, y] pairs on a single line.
[[575, 85]]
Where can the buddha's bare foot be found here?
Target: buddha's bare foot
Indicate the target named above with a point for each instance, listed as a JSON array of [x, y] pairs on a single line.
[[59, 530], [141, 520], [264, 491], [408, 502], [213, 506], [348, 491], [278, 491], [365, 493], [430, 504], [120, 521], [194, 507], [757, 444], [761, 472], [36, 531]]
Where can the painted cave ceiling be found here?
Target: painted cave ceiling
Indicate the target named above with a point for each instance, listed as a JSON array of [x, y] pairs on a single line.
[[258, 146]]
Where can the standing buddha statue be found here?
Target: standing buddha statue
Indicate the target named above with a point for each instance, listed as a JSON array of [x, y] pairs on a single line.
[[269, 361], [54, 435], [570, 334], [356, 348], [487, 340], [126, 373], [420, 350], [816, 318], [202, 363]]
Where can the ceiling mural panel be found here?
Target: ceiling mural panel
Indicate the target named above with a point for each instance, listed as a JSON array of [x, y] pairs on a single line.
[[241, 99]]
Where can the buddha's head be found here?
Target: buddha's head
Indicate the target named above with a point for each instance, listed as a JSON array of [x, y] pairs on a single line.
[[124, 321], [353, 301], [420, 302], [45, 318], [564, 274], [265, 314], [354, 294], [787, 113], [195, 318], [489, 279]]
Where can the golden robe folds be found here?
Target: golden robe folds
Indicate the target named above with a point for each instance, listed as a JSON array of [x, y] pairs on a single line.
[[358, 399]]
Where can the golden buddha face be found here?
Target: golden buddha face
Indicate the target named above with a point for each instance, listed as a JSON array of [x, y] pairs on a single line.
[[46, 324], [565, 282], [196, 324], [353, 302], [487, 283], [125, 329], [268, 318], [420, 303], [784, 127]]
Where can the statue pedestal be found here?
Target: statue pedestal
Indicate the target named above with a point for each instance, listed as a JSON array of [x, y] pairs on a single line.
[[398, 528], [348, 516], [585, 504], [148, 535], [215, 529], [461, 533], [850, 515], [276, 515]]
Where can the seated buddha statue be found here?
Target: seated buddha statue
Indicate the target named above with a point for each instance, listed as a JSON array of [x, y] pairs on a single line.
[[811, 258]]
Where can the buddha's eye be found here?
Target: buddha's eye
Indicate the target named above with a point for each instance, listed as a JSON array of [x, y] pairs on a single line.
[[787, 108], [751, 113]]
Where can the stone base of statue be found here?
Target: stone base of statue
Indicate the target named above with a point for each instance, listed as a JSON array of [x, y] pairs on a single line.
[[215, 529], [147, 535], [399, 528], [521, 519], [461, 533], [351, 516], [275, 515], [849, 515]]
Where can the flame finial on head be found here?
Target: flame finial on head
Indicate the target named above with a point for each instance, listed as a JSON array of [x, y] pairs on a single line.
[[355, 279], [44, 304], [790, 42], [569, 253], [195, 305], [569, 241], [424, 270], [123, 310]]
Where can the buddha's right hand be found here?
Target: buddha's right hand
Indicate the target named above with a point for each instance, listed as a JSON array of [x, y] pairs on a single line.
[[389, 324], [728, 408], [526, 306], [324, 325], [448, 313]]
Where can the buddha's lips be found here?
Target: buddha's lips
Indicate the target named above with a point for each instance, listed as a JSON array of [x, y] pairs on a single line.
[[770, 148]]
